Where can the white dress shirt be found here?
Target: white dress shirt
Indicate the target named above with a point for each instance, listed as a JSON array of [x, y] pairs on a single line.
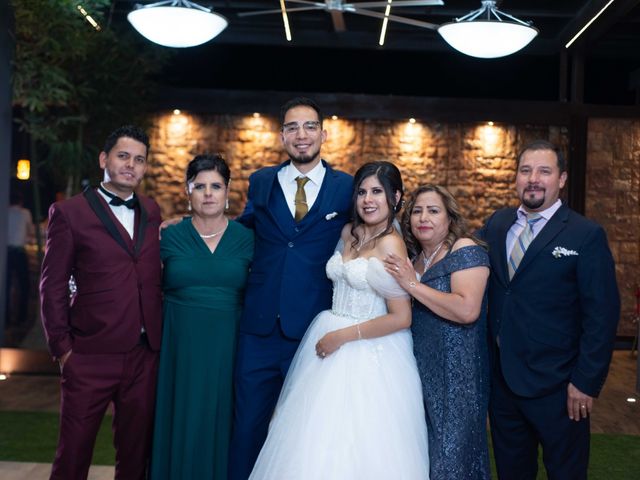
[[126, 216], [287, 178], [521, 222]]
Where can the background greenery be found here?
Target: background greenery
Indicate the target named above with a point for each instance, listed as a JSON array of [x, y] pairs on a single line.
[[32, 437], [72, 85]]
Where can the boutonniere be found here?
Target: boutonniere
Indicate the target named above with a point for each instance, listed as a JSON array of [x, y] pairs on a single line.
[[563, 252], [331, 215]]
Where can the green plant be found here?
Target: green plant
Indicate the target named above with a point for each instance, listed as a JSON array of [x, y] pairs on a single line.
[[73, 84]]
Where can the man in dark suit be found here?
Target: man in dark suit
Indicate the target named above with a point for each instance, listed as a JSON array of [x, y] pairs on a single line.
[[553, 311], [107, 334], [297, 210]]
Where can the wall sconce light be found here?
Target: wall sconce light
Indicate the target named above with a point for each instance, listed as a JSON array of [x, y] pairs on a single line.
[[23, 172]]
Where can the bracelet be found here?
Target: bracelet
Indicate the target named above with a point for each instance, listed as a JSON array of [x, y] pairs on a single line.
[[412, 284], [359, 332]]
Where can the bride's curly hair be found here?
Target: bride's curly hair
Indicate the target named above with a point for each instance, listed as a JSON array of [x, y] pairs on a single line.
[[458, 227], [391, 180]]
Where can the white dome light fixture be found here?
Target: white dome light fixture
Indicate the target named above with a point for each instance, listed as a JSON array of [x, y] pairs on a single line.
[[488, 32], [177, 23]]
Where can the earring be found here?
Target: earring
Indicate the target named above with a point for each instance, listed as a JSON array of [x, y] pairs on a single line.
[[226, 204], [189, 206]]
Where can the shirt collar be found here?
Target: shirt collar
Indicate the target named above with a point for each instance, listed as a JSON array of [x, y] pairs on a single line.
[[546, 214], [315, 175]]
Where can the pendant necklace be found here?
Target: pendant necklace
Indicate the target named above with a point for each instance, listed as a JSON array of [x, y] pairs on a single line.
[[427, 261], [363, 242], [214, 234]]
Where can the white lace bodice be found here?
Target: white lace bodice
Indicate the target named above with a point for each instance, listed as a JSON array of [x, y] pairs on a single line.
[[360, 287]]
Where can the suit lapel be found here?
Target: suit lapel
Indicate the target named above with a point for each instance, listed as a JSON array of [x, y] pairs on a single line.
[[504, 224], [270, 197], [102, 214], [553, 227], [141, 222]]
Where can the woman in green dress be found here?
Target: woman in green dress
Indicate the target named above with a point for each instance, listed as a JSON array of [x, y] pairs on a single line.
[[206, 261]]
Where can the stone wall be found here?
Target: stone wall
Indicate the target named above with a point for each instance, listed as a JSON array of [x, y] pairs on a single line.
[[475, 161], [613, 200]]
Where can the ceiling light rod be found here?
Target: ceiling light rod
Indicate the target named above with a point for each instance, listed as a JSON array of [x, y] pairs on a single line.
[[385, 20], [575, 37], [489, 6], [178, 3], [285, 20]]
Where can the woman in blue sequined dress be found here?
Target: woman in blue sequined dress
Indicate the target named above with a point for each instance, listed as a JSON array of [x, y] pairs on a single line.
[[447, 280]]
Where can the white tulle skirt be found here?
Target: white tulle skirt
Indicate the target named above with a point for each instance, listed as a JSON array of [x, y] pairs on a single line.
[[357, 414]]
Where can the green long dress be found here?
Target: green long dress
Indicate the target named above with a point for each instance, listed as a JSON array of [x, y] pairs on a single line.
[[203, 294]]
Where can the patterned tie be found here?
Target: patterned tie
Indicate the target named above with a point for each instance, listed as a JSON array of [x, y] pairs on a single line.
[[301, 199], [522, 243]]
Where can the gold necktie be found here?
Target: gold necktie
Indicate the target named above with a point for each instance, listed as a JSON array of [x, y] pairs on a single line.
[[301, 199]]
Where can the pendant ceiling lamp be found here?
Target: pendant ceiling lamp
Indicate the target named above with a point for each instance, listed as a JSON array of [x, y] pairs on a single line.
[[487, 32], [177, 23]]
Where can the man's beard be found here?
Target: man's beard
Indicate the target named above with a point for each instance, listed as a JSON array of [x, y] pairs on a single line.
[[304, 158], [532, 203]]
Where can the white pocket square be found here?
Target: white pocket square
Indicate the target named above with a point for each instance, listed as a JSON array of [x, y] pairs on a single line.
[[563, 252]]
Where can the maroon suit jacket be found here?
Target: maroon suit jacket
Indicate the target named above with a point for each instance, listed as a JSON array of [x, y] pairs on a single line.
[[118, 279]]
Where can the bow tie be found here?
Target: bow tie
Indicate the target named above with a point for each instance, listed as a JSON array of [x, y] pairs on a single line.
[[116, 201]]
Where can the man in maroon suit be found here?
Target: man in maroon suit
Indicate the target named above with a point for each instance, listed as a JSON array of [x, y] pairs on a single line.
[[106, 334]]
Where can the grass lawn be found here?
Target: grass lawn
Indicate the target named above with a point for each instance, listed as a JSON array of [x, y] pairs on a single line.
[[32, 437]]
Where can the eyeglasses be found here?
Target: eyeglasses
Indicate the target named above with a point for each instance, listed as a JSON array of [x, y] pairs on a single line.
[[293, 127]]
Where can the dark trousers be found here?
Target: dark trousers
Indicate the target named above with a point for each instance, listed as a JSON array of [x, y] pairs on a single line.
[[520, 424], [261, 366], [89, 382], [18, 267]]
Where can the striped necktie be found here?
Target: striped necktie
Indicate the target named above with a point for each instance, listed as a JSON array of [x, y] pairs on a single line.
[[300, 200], [522, 243]]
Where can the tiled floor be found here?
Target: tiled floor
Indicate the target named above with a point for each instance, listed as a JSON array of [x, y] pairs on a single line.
[[612, 412]]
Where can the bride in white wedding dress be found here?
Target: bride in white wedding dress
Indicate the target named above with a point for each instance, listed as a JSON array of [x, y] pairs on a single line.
[[351, 406]]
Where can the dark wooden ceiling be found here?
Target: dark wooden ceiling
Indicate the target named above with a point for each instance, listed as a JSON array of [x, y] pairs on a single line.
[[603, 66]]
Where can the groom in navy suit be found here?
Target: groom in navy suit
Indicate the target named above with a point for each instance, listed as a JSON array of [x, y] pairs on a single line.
[[297, 210], [553, 311]]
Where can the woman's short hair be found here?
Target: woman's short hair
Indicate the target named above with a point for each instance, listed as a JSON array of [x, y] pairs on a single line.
[[201, 163]]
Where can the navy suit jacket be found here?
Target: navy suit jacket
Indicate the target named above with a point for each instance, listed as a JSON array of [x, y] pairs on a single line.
[[288, 279], [557, 317]]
